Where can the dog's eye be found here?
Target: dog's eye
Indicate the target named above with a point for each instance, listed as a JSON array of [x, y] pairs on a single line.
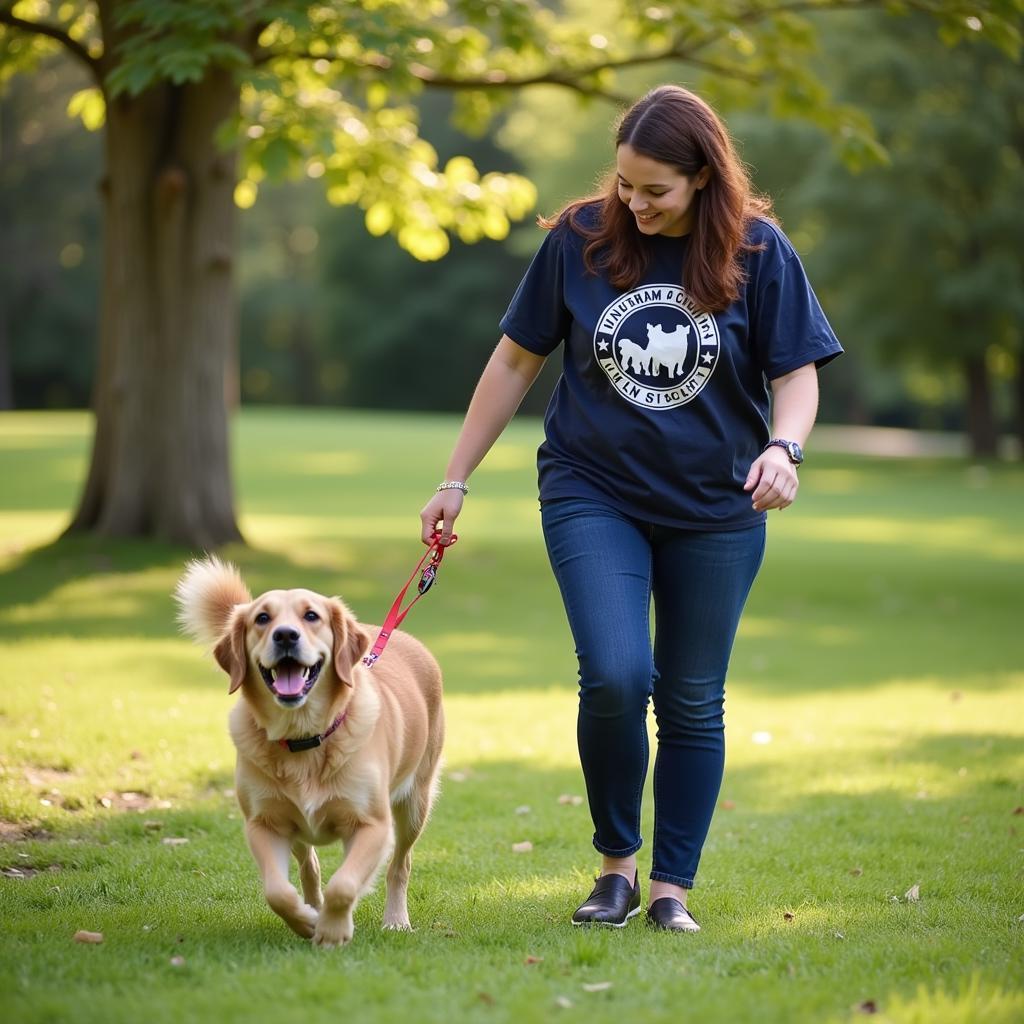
[[311, 616], [262, 619]]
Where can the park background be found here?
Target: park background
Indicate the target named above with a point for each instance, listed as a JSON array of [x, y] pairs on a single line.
[[866, 858]]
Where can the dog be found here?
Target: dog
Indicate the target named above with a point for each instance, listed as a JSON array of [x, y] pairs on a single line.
[[327, 748]]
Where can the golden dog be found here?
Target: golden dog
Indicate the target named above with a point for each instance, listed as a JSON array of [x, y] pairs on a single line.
[[327, 749]]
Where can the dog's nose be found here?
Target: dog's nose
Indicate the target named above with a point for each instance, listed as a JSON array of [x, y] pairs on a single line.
[[286, 636]]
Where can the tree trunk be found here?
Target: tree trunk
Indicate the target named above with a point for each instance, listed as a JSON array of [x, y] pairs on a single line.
[[981, 423], [1019, 404], [6, 387], [160, 460]]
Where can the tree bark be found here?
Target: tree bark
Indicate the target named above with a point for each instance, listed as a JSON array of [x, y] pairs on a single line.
[[981, 424], [168, 319], [1019, 404]]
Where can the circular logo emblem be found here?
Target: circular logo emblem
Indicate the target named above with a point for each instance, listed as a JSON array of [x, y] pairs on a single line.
[[656, 347]]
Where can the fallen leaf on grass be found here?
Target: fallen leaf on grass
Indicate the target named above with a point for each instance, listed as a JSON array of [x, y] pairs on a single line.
[[524, 847], [856, 871], [597, 986], [570, 798], [486, 998], [534, 960], [868, 1006], [174, 840], [788, 915], [913, 894], [728, 805], [95, 938], [177, 961], [1018, 810]]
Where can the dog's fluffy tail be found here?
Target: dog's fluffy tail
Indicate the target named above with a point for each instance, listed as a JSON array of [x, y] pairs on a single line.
[[207, 594]]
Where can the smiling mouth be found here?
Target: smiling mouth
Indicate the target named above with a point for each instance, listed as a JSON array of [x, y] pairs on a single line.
[[289, 680]]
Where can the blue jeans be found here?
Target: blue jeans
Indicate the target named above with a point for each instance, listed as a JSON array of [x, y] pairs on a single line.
[[608, 567]]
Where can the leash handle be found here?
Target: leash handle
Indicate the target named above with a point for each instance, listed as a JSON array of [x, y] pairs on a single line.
[[428, 575]]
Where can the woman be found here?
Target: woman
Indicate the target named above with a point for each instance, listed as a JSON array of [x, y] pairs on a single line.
[[688, 326]]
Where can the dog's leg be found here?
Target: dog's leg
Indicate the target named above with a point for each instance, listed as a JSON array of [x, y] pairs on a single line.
[[309, 873], [364, 852], [271, 853], [410, 818]]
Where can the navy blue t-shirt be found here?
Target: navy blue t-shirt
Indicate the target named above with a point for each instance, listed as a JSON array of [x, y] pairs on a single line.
[[662, 407]]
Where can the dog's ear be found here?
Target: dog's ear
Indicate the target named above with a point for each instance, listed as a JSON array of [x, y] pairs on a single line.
[[230, 651], [351, 641]]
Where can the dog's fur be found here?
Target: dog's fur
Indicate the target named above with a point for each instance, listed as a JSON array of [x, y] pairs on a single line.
[[370, 784]]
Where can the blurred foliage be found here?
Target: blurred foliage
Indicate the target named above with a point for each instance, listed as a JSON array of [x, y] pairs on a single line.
[[353, 102], [330, 316], [920, 260], [50, 239]]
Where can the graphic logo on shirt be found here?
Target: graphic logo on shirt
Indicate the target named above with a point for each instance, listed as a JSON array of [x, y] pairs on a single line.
[[656, 347]]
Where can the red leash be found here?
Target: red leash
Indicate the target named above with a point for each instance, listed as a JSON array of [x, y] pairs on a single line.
[[394, 617]]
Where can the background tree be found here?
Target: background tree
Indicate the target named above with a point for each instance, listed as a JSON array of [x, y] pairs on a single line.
[[921, 258], [323, 89]]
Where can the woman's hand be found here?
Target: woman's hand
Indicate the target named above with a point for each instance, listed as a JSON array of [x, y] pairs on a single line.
[[773, 480], [444, 507]]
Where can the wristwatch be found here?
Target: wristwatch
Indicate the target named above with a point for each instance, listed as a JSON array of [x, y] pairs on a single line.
[[793, 450]]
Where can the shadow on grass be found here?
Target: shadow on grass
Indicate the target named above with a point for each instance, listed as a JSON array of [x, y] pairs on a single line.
[[803, 894], [495, 620]]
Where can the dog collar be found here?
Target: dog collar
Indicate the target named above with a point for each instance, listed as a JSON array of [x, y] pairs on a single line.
[[309, 742]]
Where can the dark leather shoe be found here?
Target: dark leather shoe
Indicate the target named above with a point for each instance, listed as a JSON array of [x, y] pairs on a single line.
[[613, 902], [670, 915]]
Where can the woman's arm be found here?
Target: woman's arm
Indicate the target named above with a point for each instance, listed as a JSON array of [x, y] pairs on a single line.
[[509, 374], [772, 477]]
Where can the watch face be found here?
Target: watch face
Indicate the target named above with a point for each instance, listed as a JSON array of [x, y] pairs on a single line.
[[795, 452]]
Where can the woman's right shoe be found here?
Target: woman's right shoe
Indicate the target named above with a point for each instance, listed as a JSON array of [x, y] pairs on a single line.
[[612, 903]]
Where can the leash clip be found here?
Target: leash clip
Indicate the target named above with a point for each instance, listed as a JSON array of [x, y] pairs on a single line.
[[428, 578]]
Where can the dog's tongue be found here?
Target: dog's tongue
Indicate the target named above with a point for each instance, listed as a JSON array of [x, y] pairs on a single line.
[[288, 680]]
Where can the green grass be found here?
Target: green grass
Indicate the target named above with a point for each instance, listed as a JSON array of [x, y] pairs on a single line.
[[882, 652]]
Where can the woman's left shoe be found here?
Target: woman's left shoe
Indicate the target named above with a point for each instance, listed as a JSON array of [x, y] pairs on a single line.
[[670, 915], [613, 902]]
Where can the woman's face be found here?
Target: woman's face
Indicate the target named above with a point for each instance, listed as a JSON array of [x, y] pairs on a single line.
[[659, 196]]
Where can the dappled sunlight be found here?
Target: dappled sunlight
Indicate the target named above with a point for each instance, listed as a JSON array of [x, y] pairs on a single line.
[[279, 530], [974, 999], [975, 536], [28, 528], [476, 643], [757, 626], [331, 463], [503, 519], [28, 425], [833, 481], [504, 457], [532, 725]]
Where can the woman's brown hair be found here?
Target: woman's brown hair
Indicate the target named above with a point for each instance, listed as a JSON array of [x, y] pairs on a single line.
[[674, 126]]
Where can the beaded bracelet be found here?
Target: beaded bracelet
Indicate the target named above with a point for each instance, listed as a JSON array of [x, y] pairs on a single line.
[[453, 485]]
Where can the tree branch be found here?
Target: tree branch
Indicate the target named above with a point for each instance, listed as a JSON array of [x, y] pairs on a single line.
[[39, 28]]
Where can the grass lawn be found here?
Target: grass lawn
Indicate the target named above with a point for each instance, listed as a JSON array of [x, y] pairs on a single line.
[[875, 723]]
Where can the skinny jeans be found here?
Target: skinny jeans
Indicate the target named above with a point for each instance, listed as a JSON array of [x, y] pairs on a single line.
[[609, 567]]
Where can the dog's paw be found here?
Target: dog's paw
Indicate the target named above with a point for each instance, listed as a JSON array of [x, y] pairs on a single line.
[[397, 924], [304, 922], [333, 931]]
